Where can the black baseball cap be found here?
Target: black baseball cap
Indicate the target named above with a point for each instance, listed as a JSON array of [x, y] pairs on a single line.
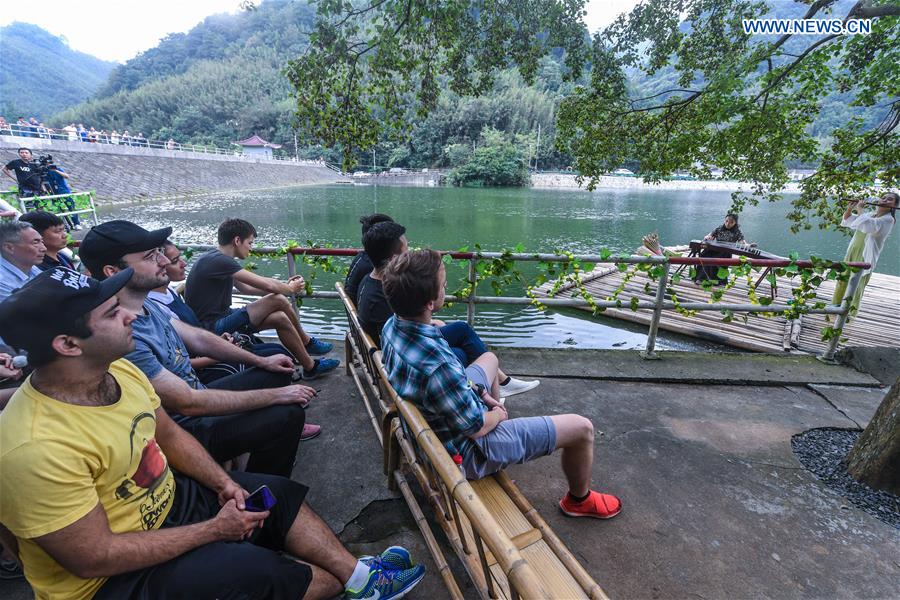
[[106, 243], [46, 306]]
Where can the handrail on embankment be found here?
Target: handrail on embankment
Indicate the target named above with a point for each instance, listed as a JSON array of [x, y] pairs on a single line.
[[658, 305], [14, 130]]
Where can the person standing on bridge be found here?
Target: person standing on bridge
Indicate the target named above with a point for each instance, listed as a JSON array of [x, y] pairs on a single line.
[[26, 174], [870, 230], [57, 179]]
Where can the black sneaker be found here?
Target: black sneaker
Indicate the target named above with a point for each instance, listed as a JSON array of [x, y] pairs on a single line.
[[11, 569]]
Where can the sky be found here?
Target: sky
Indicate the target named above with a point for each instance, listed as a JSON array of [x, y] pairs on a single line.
[[118, 30]]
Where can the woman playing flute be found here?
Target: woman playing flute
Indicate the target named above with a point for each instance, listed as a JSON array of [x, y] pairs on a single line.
[[870, 230]]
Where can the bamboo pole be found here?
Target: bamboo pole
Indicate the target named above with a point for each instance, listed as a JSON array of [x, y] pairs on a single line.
[[587, 583], [650, 350], [855, 279], [352, 350], [430, 541], [470, 305], [393, 452], [372, 418], [413, 462], [517, 570], [453, 536], [484, 564], [348, 352]]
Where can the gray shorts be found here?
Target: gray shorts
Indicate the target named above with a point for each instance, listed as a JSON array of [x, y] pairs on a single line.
[[512, 442], [477, 376]]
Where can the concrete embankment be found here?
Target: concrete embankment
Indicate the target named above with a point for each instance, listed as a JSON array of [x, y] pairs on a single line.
[[430, 178], [568, 181], [122, 173]]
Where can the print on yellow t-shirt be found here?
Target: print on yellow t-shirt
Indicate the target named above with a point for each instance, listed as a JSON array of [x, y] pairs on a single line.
[[149, 473], [58, 460]]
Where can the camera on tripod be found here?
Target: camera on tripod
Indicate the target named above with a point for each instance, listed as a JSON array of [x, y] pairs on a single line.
[[43, 165]]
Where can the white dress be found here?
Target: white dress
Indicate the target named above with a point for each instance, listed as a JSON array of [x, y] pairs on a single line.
[[876, 229]]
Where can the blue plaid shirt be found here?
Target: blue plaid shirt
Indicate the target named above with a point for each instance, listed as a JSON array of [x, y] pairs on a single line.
[[423, 370]]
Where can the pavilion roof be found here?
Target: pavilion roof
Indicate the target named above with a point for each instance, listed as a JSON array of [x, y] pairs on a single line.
[[255, 140]]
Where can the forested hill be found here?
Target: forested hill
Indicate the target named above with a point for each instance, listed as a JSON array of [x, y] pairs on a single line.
[[222, 81], [219, 82], [41, 75], [275, 28]]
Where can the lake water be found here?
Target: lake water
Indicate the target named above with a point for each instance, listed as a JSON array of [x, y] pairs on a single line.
[[449, 218]]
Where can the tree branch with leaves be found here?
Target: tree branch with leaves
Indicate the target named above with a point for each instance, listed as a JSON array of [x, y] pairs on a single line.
[[372, 69], [742, 103]]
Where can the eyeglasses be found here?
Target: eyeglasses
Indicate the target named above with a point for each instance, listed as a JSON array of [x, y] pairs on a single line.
[[153, 255]]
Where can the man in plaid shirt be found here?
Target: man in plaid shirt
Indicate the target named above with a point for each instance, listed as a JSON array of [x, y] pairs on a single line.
[[460, 404]]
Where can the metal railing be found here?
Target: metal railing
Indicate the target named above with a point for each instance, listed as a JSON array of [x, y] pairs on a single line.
[[30, 203], [658, 305], [97, 137]]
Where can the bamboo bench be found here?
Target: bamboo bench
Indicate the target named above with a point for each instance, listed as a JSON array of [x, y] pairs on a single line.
[[506, 547]]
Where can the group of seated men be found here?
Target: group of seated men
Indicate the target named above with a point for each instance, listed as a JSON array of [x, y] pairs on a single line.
[[114, 443], [116, 463], [446, 371]]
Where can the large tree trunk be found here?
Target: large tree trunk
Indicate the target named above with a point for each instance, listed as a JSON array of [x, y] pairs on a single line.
[[875, 459]]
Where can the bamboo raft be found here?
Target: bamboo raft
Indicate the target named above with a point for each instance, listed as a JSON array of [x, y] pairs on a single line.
[[876, 324]]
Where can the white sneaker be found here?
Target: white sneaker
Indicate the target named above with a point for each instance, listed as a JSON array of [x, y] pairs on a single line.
[[517, 386]]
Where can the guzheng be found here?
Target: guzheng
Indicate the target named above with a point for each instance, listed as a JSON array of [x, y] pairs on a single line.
[[697, 246]]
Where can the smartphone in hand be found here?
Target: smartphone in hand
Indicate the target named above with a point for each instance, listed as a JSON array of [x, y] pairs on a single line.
[[261, 500]]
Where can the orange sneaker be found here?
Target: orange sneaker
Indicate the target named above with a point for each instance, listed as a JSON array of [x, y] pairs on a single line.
[[596, 505]]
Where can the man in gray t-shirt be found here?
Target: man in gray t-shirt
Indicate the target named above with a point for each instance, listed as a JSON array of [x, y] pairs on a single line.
[[157, 346], [209, 288]]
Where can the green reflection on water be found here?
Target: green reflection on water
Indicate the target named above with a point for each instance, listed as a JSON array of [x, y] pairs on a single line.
[[448, 218]]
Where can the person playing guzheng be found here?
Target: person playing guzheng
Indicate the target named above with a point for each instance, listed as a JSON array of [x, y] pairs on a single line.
[[729, 232]]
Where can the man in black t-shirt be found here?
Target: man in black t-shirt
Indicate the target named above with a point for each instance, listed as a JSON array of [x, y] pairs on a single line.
[[26, 174], [384, 241], [362, 264], [208, 293]]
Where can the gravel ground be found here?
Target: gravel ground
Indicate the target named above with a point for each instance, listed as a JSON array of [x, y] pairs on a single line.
[[822, 451]]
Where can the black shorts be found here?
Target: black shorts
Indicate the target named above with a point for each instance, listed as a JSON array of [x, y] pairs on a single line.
[[235, 570]]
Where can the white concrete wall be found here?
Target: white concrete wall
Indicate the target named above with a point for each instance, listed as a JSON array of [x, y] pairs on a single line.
[[567, 181]]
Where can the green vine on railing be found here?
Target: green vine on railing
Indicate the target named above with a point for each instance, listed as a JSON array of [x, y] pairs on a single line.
[[568, 275], [502, 272]]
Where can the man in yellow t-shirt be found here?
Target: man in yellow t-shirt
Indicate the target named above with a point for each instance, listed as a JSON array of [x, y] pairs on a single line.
[[106, 497]]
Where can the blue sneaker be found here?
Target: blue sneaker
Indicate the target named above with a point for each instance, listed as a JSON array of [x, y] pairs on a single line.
[[395, 558], [317, 347], [323, 365], [385, 584]]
